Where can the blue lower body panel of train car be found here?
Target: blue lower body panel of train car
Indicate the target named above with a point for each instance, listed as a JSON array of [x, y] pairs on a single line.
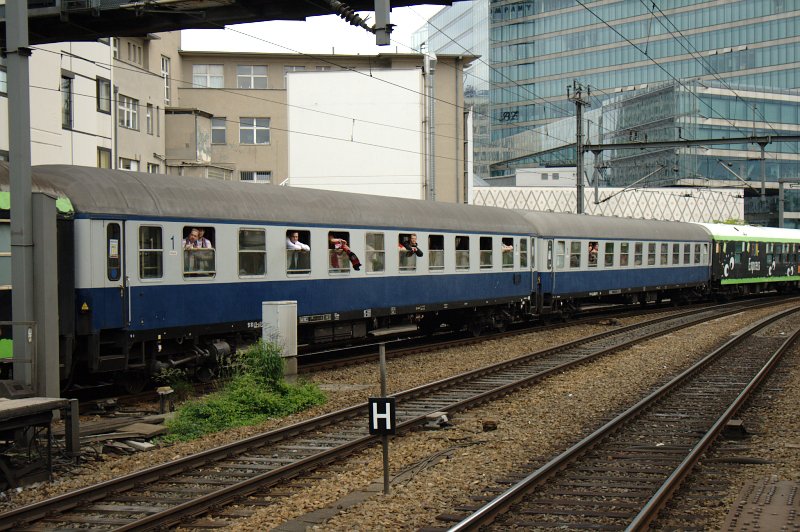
[[599, 282]]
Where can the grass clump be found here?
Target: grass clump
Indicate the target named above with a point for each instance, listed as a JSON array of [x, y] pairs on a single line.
[[255, 392]]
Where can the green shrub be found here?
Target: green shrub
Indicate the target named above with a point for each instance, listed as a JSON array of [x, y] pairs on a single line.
[[255, 393]]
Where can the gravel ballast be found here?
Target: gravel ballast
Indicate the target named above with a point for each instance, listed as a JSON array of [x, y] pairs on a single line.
[[438, 470]]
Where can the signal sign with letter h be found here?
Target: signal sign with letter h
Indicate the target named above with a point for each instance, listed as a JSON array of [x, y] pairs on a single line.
[[382, 415]]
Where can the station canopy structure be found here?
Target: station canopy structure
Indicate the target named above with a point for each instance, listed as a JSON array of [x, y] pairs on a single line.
[[88, 20]]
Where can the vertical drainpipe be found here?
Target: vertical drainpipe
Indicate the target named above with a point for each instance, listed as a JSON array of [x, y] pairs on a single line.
[[115, 103], [430, 67], [457, 110]]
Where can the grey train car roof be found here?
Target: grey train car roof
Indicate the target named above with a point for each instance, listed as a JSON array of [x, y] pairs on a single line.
[[116, 192], [585, 226]]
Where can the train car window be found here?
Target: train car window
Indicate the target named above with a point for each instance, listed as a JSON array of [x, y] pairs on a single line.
[[298, 252], [697, 253], [376, 252], [594, 250], [609, 255], [651, 253], [151, 253], [198, 252], [436, 253], [664, 254], [637, 254], [533, 254], [339, 252], [575, 255], [252, 252], [462, 252], [704, 257], [112, 252], [507, 253], [623, 253], [486, 252], [407, 258], [687, 253], [523, 252], [676, 254]]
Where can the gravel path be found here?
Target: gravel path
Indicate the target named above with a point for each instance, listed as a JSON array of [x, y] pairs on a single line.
[[438, 470]]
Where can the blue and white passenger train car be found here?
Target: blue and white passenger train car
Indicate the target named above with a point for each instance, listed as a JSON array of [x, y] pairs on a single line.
[[616, 259], [140, 287], [140, 299]]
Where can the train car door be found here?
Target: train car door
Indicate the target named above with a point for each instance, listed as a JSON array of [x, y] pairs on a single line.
[[114, 278]]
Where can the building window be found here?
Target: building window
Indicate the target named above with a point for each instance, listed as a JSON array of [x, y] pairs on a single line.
[[291, 68], [103, 95], [149, 118], [128, 164], [252, 252], [128, 112], [255, 176], [66, 102], [115, 47], [218, 130], [323, 68], [153, 168], [209, 76], [251, 77], [151, 252], [103, 158], [165, 68], [254, 131]]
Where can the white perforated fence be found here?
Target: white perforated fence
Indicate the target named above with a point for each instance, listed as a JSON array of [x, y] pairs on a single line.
[[684, 204]]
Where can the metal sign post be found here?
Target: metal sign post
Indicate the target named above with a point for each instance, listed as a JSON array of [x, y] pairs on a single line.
[[382, 418]]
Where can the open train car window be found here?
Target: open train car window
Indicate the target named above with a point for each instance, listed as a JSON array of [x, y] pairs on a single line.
[[523, 252], [462, 252], [676, 254], [199, 258], [376, 252], [406, 259], [112, 252], [298, 251], [151, 252], [594, 250], [697, 254], [252, 252], [436, 253], [338, 248]]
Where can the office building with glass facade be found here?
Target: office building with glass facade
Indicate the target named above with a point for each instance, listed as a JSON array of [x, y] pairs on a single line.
[[666, 70]]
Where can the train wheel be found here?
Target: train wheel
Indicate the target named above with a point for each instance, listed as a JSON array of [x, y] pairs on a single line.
[[476, 327], [133, 382]]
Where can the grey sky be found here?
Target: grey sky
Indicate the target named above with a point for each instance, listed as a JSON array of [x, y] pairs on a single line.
[[323, 35]]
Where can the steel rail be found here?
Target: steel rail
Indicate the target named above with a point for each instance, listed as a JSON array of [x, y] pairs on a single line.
[[490, 511], [93, 493]]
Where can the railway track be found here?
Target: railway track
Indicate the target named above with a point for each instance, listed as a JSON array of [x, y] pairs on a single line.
[[180, 491], [621, 476]]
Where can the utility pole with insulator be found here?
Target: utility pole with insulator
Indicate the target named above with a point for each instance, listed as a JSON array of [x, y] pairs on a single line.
[[577, 96]]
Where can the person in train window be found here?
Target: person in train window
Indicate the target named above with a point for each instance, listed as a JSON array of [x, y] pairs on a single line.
[[340, 246], [593, 250], [191, 240], [411, 246], [293, 242], [202, 241]]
